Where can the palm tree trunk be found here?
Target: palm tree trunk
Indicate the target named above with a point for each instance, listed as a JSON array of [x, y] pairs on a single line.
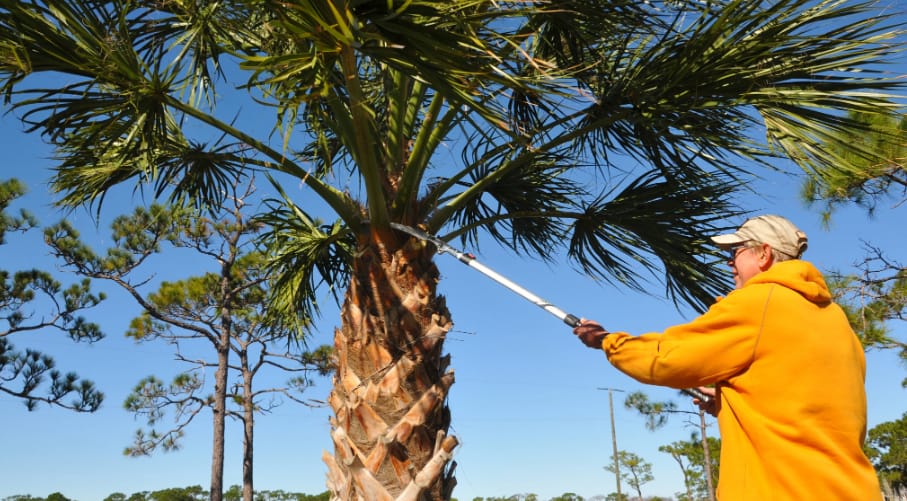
[[390, 388]]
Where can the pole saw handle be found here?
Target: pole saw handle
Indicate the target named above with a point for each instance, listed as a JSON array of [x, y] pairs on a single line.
[[695, 393], [571, 320]]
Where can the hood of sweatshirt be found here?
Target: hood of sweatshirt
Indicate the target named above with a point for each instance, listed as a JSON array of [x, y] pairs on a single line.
[[797, 275]]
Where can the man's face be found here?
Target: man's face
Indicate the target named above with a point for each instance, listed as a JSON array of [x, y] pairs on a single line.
[[746, 261]]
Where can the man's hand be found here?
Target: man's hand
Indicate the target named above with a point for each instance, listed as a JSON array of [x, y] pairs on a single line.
[[590, 333], [710, 406]]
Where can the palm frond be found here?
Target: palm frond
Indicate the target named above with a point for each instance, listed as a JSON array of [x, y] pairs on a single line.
[[618, 234], [78, 38], [176, 167], [303, 254], [571, 33], [448, 45], [197, 34], [521, 208], [686, 98]]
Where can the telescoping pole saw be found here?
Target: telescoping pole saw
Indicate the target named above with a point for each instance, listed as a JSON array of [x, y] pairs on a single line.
[[470, 260]]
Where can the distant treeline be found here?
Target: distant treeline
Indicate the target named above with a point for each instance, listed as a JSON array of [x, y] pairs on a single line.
[[197, 493], [193, 493]]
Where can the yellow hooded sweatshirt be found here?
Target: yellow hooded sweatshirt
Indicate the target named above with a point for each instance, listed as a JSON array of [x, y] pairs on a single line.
[[790, 377]]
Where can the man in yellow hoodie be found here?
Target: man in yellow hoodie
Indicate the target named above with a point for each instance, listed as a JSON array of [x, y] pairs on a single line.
[[787, 369]]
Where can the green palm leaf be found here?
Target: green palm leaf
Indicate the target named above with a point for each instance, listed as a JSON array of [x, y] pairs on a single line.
[[304, 255], [615, 237]]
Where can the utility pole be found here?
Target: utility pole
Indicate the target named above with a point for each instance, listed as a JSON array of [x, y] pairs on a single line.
[[706, 455], [614, 439]]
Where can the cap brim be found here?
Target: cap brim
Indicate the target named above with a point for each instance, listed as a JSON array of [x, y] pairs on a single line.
[[728, 240]]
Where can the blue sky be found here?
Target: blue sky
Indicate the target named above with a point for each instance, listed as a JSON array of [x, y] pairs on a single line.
[[526, 406]]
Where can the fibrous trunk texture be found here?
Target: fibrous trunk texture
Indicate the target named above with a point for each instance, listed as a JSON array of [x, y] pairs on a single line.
[[390, 389]]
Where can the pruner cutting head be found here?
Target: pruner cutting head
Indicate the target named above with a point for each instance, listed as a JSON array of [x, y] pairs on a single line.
[[442, 246], [419, 234]]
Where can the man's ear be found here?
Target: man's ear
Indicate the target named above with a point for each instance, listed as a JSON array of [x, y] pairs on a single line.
[[766, 257]]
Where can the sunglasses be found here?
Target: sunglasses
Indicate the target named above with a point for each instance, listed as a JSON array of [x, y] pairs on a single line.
[[734, 251]]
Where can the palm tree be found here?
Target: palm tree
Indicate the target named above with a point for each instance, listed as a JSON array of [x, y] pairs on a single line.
[[461, 117]]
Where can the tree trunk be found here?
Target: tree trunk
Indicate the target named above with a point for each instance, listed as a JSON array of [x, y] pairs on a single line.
[[220, 417], [390, 388], [248, 444], [220, 381]]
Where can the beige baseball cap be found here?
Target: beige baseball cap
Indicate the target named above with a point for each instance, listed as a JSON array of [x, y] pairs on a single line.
[[778, 232]]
